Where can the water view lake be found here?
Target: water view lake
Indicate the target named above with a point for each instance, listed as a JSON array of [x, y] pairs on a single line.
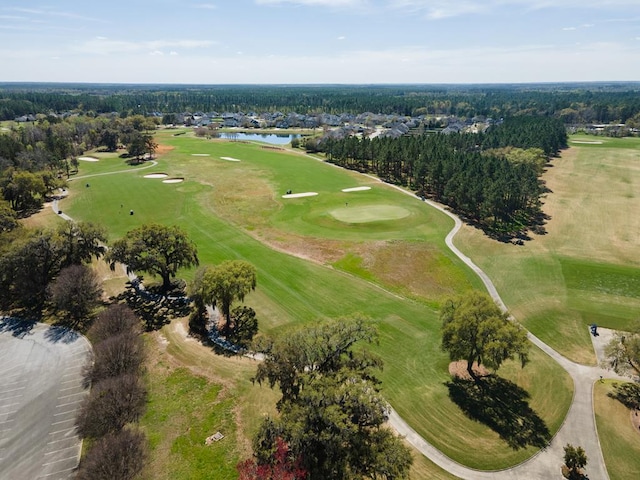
[[272, 138]]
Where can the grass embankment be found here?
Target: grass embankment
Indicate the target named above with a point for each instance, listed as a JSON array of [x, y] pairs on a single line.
[[586, 268], [619, 439], [396, 271]]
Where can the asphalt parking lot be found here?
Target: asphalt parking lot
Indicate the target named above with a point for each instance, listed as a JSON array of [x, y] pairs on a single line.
[[41, 389]]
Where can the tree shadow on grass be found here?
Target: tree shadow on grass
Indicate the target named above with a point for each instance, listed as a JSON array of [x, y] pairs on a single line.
[[502, 406]]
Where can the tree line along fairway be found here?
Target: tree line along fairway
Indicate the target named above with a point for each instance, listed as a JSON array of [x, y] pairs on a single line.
[[231, 209], [585, 269]]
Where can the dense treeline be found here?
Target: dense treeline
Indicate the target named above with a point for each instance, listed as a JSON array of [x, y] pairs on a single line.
[[492, 179], [35, 158], [573, 103], [32, 261]]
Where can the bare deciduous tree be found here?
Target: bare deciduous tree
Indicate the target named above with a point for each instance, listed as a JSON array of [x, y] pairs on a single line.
[[118, 456]]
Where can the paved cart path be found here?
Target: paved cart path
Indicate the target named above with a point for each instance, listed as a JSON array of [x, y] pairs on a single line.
[[579, 427]]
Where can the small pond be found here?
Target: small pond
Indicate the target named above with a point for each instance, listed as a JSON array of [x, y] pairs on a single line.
[[271, 138]]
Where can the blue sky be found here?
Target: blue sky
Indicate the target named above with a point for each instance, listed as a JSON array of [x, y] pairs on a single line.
[[320, 41]]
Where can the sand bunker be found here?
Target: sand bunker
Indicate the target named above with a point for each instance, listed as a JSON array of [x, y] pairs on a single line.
[[229, 159], [173, 180], [200, 155], [299, 195], [156, 175], [89, 159], [587, 142], [356, 189]]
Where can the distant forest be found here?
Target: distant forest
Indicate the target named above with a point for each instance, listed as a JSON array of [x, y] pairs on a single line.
[[491, 178], [571, 103]]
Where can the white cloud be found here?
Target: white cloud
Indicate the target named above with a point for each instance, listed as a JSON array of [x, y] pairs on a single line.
[[316, 3], [104, 46], [438, 9], [342, 37], [49, 12], [408, 64], [157, 53], [12, 17], [569, 29], [173, 53], [206, 6]]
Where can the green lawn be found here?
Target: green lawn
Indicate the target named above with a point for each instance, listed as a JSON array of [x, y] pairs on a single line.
[[234, 209], [585, 269], [177, 425], [620, 441]]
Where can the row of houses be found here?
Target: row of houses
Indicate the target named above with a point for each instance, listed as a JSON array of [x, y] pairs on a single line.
[[346, 123], [366, 123]]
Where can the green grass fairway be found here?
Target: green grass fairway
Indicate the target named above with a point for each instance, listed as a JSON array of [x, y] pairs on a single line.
[[235, 210], [372, 213], [586, 268], [620, 441]]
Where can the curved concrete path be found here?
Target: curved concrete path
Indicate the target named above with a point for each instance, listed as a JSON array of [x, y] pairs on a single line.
[[578, 428]]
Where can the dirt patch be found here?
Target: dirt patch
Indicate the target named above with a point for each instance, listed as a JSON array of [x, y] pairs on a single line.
[[459, 369], [181, 330], [162, 149], [322, 251]]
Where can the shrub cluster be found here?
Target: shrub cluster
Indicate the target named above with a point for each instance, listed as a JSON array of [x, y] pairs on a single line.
[[117, 399]]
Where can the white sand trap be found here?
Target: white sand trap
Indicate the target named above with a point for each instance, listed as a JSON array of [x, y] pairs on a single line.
[[89, 159], [299, 195], [173, 180], [356, 189], [200, 155], [587, 142], [229, 159], [156, 175]]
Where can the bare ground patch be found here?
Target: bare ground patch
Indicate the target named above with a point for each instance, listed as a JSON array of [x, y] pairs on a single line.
[[162, 149], [318, 250], [459, 370]]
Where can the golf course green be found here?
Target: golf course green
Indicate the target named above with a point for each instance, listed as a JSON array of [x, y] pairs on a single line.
[[375, 252]]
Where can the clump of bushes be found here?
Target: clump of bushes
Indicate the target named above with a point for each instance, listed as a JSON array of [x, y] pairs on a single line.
[[117, 399]]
